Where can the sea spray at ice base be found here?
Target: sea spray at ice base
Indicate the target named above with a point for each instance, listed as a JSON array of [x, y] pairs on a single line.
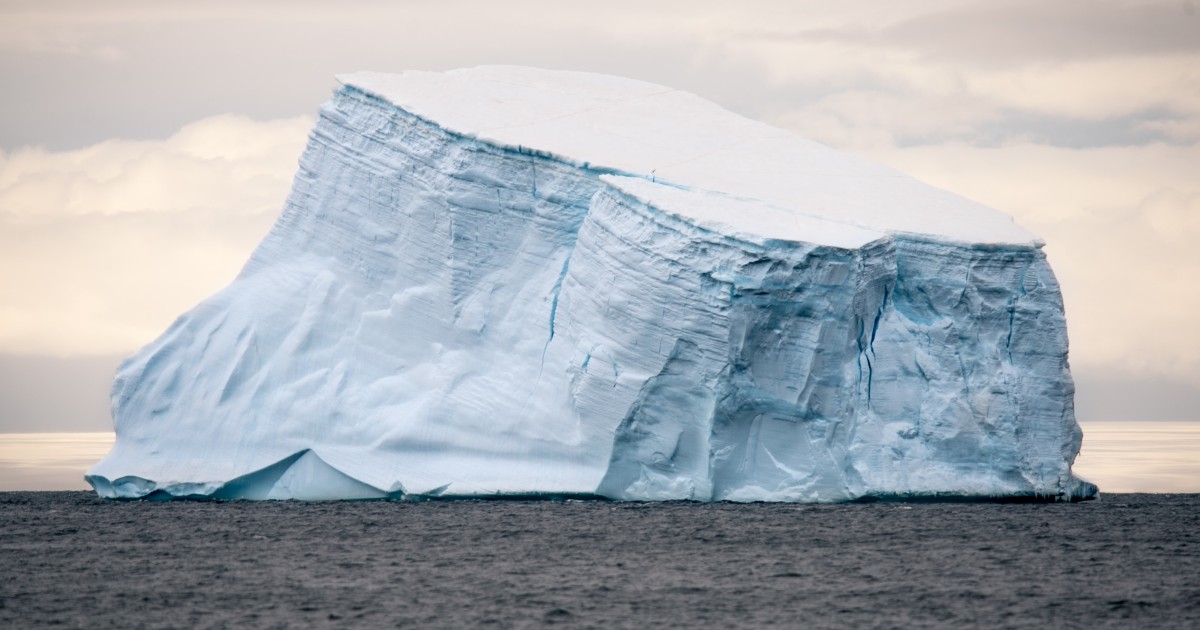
[[515, 281]]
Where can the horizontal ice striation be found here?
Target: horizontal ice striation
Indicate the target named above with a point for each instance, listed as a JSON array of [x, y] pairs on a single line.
[[506, 281]]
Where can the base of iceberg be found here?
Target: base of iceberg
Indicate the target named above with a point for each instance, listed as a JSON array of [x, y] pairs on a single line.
[[306, 477], [508, 282]]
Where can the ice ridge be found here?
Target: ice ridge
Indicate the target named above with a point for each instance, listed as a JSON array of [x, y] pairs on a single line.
[[515, 282]]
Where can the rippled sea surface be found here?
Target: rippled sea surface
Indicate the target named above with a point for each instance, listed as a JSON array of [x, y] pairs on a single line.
[[68, 558]]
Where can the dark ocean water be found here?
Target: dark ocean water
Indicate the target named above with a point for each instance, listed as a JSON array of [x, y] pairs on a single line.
[[1125, 561]]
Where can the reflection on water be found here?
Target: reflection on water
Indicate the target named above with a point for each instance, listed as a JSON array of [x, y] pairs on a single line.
[[49, 461], [1117, 456], [1141, 456]]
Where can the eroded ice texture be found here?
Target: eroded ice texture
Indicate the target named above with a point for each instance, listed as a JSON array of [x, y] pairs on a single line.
[[514, 281]]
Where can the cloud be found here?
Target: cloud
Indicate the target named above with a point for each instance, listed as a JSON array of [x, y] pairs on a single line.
[[1000, 61], [194, 168], [991, 34], [989, 69], [102, 247], [1173, 215], [1030, 31], [278, 59], [1096, 88]]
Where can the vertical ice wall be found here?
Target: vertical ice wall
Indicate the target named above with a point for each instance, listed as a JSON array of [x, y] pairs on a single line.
[[890, 366], [743, 351], [441, 311], [971, 390]]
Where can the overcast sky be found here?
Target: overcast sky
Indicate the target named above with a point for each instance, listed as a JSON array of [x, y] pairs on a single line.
[[146, 147]]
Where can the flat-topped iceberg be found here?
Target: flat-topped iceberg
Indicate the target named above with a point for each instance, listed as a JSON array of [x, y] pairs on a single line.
[[509, 281]]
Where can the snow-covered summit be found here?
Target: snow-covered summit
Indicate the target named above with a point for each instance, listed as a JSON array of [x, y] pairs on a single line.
[[627, 126], [502, 281]]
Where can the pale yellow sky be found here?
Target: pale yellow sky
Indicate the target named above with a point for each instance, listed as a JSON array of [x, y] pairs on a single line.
[[146, 147]]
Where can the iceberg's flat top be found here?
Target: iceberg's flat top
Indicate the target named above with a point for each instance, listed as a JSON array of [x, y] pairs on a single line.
[[648, 130]]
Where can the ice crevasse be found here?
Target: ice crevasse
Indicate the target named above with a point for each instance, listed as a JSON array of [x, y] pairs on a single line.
[[510, 281]]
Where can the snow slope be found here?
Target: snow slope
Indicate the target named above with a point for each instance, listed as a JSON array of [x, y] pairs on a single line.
[[506, 280]]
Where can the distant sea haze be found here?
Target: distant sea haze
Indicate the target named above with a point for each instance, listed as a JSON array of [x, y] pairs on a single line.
[[1127, 456]]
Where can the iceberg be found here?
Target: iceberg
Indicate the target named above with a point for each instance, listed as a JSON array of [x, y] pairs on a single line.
[[506, 281]]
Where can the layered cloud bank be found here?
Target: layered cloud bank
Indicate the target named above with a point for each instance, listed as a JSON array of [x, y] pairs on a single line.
[[102, 247]]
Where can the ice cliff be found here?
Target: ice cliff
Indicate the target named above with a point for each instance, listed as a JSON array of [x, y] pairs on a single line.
[[509, 281]]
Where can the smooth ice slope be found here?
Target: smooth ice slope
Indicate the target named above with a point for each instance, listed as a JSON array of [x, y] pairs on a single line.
[[515, 281]]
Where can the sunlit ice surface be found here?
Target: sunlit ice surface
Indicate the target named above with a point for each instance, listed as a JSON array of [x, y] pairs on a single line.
[[502, 280]]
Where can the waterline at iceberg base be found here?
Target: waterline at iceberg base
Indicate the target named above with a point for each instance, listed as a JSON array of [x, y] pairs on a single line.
[[507, 281]]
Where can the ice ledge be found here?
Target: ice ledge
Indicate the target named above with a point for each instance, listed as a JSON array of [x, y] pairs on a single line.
[[645, 130], [745, 219], [305, 476]]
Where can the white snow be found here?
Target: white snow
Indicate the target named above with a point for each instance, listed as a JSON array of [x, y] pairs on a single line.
[[641, 128], [514, 281], [746, 219]]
